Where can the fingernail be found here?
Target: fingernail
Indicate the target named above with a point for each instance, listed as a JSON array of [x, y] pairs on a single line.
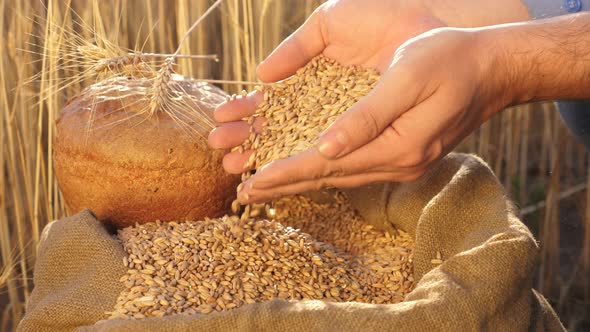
[[261, 169], [332, 144]]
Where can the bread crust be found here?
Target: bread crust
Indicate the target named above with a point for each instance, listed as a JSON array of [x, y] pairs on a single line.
[[132, 168]]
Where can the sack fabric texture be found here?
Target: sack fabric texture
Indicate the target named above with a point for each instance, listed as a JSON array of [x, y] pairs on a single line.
[[458, 209]]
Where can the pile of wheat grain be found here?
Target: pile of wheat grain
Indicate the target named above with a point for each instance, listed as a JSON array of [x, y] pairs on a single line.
[[221, 264]]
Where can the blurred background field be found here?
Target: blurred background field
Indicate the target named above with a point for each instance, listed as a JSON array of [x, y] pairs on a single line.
[[543, 169]]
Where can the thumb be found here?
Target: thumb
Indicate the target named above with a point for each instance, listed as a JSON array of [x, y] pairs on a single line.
[[366, 119], [295, 51]]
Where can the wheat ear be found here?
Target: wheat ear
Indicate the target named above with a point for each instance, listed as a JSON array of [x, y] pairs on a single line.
[[161, 85]]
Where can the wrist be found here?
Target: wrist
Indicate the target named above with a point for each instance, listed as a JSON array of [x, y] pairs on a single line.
[[470, 14], [497, 75], [502, 69]]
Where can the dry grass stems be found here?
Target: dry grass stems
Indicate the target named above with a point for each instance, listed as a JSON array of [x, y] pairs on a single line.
[[519, 145]]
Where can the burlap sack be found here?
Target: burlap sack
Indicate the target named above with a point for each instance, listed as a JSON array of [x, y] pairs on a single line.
[[459, 209]]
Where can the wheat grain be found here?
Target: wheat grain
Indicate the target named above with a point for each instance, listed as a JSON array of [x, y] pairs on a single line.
[[161, 93], [316, 251], [299, 108], [108, 63], [161, 86]]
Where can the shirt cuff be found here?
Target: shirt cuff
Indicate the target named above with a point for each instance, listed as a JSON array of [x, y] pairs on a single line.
[[539, 9]]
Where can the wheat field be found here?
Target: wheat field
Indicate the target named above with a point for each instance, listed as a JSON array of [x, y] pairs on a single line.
[[543, 169]]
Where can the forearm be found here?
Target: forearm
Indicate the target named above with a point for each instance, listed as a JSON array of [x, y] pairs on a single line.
[[541, 60]]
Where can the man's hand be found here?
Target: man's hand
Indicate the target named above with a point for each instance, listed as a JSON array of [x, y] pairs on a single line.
[[367, 33], [439, 87], [353, 32]]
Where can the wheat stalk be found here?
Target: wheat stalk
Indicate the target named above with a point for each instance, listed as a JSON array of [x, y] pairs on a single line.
[[162, 86], [132, 64], [88, 61], [99, 60]]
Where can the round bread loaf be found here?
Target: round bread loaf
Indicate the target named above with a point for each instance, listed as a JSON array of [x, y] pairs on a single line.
[[129, 165]]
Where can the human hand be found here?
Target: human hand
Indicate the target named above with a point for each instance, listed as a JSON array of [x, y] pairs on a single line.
[[421, 108], [353, 33], [338, 31]]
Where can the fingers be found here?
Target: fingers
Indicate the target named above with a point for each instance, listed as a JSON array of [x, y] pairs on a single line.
[[295, 51], [400, 153], [250, 195], [395, 93], [311, 165], [234, 162], [309, 169], [308, 165], [233, 134], [235, 110], [230, 135]]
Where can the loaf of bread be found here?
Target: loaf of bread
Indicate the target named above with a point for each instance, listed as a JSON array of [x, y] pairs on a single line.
[[129, 165]]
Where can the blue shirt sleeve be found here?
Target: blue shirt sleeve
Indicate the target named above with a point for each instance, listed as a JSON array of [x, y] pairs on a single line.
[[539, 9]]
